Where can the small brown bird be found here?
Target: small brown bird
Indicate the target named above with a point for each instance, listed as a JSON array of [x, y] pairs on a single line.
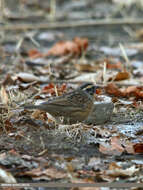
[[74, 106]]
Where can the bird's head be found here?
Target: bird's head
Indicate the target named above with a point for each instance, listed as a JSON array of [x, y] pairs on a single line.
[[90, 88]]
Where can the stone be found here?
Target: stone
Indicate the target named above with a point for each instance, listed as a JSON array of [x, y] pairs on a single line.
[[102, 110]]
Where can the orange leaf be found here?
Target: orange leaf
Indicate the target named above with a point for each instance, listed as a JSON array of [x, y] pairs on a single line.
[[50, 89], [82, 43], [34, 53], [134, 91], [63, 87], [114, 90], [139, 94], [75, 47], [122, 76], [63, 48], [131, 89], [49, 86], [117, 65]]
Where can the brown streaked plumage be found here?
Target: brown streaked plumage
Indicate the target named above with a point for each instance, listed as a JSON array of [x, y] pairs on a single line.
[[74, 106]]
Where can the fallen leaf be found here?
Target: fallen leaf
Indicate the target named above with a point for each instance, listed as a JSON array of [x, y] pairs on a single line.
[[116, 144], [122, 76], [129, 148], [115, 65], [131, 89], [114, 148], [38, 114], [51, 89], [116, 171], [63, 48], [134, 91], [114, 90], [27, 77], [76, 46], [139, 95], [85, 67], [138, 148], [40, 173], [33, 53], [82, 43]]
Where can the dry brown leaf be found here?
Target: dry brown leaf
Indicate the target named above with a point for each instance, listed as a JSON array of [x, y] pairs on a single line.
[[139, 94], [116, 65], [82, 43], [138, 148], [122, 76], [131, 89], [50, 89], [116, 144], [38, 114], [40, 173], [115, 147], [116, 171], [107, 149], [129, 147], [114, 90], [63, 48], [134, 91], [76, 46], [85, 67], [34, 53]]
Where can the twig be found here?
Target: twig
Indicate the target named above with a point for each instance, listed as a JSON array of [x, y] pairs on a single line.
[[52, 25]]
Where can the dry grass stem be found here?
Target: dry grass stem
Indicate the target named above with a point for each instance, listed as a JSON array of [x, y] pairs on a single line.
[[124, 53], [104, 73]]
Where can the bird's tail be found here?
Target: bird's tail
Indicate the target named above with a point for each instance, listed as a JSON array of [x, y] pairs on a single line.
[[30, 107]]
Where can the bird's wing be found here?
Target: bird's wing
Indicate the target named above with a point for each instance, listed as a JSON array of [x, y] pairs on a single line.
[[70, 99]]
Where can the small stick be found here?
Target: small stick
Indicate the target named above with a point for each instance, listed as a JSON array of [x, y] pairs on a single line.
[[52, 25]]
